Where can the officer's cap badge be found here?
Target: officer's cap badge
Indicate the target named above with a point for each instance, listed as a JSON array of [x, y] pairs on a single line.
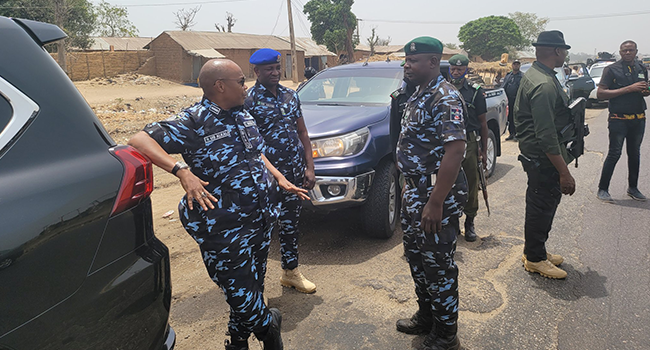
[[459, 63], [413, 47]]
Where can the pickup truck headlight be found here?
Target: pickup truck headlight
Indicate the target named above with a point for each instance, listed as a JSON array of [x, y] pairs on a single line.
[[339, 146]]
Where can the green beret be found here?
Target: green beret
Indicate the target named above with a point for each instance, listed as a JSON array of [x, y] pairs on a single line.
[[423, 44], [459, 60]]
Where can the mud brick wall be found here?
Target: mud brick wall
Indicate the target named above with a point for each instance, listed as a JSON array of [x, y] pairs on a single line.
[[104, 64]]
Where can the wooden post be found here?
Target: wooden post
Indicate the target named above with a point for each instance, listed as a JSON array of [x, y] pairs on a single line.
[[294, 56], [59, 17], [87, 65]]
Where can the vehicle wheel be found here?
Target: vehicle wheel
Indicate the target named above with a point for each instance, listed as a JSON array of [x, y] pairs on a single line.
[[590, 103], [381, 212], [491, 153]]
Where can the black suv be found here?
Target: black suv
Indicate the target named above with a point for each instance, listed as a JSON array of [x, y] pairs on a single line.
[[80, 267]]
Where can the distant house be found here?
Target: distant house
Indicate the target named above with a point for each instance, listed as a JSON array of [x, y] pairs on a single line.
[[316, 56], [118, 44], [363, 51], [179, 55]]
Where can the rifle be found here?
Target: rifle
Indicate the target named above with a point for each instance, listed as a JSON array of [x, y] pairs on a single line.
[[573, 135], [483, 180]]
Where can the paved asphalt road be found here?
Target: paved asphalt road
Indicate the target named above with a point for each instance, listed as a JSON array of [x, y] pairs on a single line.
[[364, 284]]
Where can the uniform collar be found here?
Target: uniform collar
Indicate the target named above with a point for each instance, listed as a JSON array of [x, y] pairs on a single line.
[[432, 84], [213, 107], [543, 68], [263, 90]]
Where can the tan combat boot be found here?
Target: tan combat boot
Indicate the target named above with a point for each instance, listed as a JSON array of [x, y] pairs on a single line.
[[545, 268], [293, 278], [553, 258]]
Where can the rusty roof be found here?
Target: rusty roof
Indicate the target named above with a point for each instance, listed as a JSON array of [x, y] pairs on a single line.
[[191, 40]]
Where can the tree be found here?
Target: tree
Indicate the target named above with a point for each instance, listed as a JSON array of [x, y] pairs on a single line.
[[451, 46], [374, 40], [185, 18], [333, 24], [529, 26], [75, 17], [489, 37], [114, 21], [230, 22]]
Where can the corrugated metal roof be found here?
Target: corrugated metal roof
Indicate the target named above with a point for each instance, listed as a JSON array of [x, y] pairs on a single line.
[[190, 40], [381, 49], [119, 44], [311, 47], [207, 53]]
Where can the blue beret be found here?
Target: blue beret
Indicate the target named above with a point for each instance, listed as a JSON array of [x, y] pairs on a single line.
[[265, 56]]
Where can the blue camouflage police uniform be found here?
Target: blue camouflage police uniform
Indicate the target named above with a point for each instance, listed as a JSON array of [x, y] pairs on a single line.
[[277, 118], [224, 148], [432, 117]]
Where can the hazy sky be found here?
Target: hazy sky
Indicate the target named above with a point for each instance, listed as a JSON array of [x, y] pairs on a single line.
[[588, 26]]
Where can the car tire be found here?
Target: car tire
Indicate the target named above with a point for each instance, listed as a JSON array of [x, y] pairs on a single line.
[[491, 153], [381, 212]]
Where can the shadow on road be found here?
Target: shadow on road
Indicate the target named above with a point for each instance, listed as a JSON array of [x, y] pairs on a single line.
[[336, 238], [631, 203], [577, 285], [288, 301], [500, 171]]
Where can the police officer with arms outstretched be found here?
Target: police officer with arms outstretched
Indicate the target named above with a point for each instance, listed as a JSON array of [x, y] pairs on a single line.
[[476, 123], [541, 113], [231, 203], [429, 155], [277, 111]]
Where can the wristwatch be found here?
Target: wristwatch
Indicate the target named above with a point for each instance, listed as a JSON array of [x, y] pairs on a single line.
[[178, 166]]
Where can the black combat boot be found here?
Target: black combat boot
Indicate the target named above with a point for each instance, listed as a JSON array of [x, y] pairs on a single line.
[[236, 344], [420, 323], [470, 233], [272, 340], [443, 337]]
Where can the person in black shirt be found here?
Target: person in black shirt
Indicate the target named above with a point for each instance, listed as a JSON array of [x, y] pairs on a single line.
[[511, 85], [625, 84]]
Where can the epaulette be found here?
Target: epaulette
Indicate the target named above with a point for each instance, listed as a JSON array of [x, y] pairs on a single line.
[[396, 93], [476, 86]]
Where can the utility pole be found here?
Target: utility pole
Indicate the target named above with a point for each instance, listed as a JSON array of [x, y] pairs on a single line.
[[294, 56], [60, 13]]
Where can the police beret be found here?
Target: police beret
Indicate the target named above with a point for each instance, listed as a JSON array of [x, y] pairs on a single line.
[[265, 56], [423, 44], [459, 60]]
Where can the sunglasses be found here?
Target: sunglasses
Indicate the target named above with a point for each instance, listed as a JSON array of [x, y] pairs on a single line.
[[240, 81]]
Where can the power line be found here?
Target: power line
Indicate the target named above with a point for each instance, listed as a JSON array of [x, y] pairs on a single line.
[[277, 18], [138, 5], [565, 18]]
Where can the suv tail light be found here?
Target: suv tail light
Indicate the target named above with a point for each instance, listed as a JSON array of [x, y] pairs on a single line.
[[137, 181]]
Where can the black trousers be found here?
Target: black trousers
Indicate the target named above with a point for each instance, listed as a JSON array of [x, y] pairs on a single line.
[[542, 198]]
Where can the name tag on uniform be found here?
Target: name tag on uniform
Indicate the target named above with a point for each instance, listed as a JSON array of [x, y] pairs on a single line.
[[217, 136], [266, 104], [248, 123]]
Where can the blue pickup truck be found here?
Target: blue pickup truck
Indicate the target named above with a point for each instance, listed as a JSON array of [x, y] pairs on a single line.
[[347, 112]]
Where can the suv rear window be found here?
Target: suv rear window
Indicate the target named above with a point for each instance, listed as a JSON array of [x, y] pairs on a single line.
[[5, 113]]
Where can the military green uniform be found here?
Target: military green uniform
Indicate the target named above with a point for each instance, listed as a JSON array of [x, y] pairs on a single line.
[[541, 112]]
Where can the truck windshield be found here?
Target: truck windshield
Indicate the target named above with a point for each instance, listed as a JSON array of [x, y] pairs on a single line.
[[363, 86]]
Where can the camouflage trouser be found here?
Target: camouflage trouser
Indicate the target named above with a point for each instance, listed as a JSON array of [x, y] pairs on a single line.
[[288, 220], [431, 256], [236, 261]]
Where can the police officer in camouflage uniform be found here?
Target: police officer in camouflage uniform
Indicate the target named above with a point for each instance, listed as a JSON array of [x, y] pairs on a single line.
[[541, 112], [277, 112], [231, 202], [429, 155], [476, 124]]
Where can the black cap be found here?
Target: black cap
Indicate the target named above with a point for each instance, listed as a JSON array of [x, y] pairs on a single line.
[[552, 38]]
